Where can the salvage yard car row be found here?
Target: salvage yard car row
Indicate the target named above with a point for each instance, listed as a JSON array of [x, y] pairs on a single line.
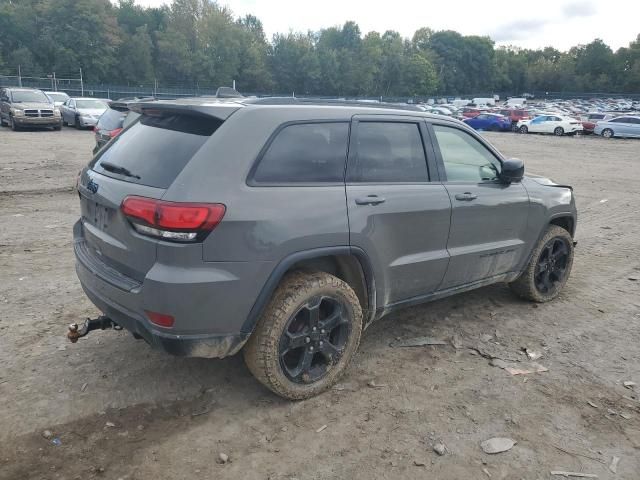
[[23, 107]]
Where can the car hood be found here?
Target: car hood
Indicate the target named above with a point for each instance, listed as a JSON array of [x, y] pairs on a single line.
[[546, 181], [27, 105], [91, 111]]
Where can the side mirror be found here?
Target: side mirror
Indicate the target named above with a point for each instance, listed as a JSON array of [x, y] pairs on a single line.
[[512, 170]]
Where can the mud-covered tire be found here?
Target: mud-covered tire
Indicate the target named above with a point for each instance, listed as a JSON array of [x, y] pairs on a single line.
[[262, 353], [525, 286]]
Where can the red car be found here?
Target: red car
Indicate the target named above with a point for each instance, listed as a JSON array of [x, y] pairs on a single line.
[[470, 112], [515, 115]]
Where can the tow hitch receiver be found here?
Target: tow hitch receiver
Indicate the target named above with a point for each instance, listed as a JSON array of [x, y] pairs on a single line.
[[100, 323]]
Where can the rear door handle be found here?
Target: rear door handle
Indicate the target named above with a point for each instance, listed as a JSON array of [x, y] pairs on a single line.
[[370, 200], [466, 196]]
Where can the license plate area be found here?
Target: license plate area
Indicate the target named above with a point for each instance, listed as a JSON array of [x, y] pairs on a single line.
[[97, 215]]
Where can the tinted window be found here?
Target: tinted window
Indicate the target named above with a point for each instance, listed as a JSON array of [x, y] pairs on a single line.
[[465, 158], [635, 121], [111, 119], [305, 153], [620, 120], [389, 152], [156, 149]]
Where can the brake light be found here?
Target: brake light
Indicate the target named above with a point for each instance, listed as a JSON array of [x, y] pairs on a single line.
[[115, 133], [160, 319], [183, 222]]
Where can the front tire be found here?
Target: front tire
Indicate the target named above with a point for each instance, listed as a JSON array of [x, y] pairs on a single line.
[[306, 336], [13, 124], [76, 123], [548, 269], [558, 132], [524, 129], [607, 133]]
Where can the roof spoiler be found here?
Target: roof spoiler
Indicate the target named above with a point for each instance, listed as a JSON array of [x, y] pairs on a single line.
[[216, 109]]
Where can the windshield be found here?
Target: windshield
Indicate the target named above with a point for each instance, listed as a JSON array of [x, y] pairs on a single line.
[[19, 96], [97, 104]]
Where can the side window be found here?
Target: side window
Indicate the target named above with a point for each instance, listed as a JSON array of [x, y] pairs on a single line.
[[635, 121], [305, 153], [388, 152], [465, 158], [620, 120]]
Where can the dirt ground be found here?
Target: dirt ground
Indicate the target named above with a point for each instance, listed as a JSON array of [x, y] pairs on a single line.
[[115, 409]]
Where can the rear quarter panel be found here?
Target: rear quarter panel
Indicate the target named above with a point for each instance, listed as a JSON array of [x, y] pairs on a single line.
[[262, 223]]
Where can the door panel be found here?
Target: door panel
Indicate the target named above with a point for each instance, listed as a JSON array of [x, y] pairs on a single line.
[[405, 237], [488, 217], [487, 233], [399, 218]]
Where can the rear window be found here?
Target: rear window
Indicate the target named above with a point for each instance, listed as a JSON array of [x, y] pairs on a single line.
[[305, 153], [111, 119], [154, 150]]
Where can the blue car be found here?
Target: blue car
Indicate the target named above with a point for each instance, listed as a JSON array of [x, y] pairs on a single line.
[[489, 121], [618, 127]]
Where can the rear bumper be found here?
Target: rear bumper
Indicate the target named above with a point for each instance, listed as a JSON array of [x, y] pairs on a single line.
[[205, 346], [210, 301]]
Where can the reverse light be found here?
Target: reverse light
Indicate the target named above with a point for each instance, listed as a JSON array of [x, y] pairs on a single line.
[[160, 319], [173, 221]]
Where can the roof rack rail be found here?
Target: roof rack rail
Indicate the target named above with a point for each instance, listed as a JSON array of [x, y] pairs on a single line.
[[330, 102]]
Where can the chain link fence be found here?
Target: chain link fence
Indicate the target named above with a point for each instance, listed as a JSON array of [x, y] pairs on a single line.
[[76, 87]]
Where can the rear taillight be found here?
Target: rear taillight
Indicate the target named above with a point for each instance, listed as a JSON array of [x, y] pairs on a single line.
[[115, 133], [174, 221]]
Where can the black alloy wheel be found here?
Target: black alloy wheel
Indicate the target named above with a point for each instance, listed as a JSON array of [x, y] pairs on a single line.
[[314, 339], [551, 268]]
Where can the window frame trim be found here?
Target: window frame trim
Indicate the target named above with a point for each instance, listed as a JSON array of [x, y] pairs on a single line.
[[425, 137], [251, 181], [436, 147]]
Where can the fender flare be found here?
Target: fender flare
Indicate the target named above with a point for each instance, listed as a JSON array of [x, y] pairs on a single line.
[[286, 263]]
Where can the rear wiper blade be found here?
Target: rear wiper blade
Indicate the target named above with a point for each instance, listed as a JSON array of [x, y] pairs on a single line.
[[110, 167]]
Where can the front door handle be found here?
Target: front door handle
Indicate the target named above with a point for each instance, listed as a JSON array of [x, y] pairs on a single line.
[[370, 200], [466, 196]]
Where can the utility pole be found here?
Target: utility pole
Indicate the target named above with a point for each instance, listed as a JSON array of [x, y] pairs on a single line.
[[81, 83], [234, 84], [55, 82], [19, 77]]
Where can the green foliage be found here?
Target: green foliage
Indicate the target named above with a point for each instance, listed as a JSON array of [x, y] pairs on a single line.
[[201, 42]]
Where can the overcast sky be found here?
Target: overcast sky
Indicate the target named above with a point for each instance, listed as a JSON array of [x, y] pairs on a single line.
[[531, 24]]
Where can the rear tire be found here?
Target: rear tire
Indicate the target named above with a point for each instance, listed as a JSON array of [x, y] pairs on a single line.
[[558, 132], [607, 133], [548, 269], [278, 352], [524, 129], [2, 122], [495, 128]]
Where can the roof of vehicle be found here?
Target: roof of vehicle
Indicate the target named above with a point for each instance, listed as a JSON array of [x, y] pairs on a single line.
[[223, 107], [87, 98], [23, 88]]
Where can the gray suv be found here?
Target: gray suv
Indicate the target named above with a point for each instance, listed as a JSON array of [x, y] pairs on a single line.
[[284, 228]]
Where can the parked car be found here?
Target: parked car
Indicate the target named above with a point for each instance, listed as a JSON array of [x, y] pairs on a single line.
[[489, 121], [82, 112], [27, 107], [470, 112], [551, 124], [515, 115], [625, 126], [58, 98], [211, 226], [114, 119]]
